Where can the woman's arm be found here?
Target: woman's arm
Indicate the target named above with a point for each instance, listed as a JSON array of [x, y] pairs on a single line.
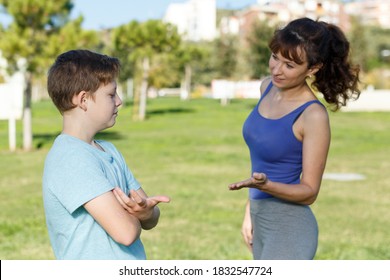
[[316, 140], [315, 137]]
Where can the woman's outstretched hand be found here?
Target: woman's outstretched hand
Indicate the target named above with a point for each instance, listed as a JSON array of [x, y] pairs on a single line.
[[257, 181]]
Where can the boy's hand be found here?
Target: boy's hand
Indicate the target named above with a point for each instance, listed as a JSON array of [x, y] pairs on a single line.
[[138, 203]]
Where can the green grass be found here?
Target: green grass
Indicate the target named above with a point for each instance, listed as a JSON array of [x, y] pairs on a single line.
[[191, 151]]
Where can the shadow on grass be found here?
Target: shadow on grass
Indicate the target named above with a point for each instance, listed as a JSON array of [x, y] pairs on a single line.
[[109, 135], [249, 103], [46, 139], [169, 111]]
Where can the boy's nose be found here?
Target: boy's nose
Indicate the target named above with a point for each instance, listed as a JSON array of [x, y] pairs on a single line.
[[118, 101]]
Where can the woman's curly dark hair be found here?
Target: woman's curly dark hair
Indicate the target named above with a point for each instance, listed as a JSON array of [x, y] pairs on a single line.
[[326, 46]]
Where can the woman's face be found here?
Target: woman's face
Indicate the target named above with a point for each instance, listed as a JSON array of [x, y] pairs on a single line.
[[287, 73]]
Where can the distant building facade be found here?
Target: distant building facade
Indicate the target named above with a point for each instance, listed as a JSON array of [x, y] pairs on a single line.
[[195, 19], [371, 12], [280, 12]]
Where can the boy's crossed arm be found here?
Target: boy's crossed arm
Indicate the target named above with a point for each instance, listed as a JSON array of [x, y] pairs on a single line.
[[122, 216], [138, 204], [114, 219]]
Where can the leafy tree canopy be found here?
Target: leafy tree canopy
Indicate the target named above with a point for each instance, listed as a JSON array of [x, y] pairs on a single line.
[[39, 31], [135, 41]]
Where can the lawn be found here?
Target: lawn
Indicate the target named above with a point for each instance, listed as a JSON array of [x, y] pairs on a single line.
[[191, 151]]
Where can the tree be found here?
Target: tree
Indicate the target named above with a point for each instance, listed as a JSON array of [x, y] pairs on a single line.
[[187, 56], [358, 42], [40, 30], [137, 45], [259, 52], [226, 54]]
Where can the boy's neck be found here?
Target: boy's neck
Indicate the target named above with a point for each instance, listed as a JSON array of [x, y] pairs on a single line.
[[77, 130]]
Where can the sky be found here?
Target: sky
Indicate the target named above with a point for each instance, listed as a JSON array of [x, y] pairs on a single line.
[[100, 14]]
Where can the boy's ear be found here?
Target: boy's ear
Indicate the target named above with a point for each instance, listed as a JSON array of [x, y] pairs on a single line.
[[80, 100]]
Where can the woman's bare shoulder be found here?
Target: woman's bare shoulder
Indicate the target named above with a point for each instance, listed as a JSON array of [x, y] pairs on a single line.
[[316, 113], [264, 84]]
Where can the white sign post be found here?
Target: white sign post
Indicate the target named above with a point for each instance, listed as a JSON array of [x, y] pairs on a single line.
[[11, 108]]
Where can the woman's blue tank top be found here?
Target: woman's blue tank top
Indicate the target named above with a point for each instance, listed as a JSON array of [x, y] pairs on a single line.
[[273, 147]]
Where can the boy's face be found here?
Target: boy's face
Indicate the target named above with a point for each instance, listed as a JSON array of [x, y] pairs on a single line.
[[103, 110]]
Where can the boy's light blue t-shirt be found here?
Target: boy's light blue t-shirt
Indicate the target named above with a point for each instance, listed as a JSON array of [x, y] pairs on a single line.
[[74, 173]]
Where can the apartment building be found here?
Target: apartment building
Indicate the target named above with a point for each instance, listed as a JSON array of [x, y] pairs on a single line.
[[195, 19], [371, 12], [279, 12]]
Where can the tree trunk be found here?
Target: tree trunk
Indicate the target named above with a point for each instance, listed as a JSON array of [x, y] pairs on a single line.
[[27, 118], [186, 84], [135, 105], [144, 88], [129, 89]]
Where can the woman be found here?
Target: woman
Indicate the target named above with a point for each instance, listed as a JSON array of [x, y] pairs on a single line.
[[288, 136]]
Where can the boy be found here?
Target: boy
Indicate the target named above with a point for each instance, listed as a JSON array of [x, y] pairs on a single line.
[[95, 208]]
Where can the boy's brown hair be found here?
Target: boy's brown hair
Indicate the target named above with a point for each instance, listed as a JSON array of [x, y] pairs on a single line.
[[79, 70]]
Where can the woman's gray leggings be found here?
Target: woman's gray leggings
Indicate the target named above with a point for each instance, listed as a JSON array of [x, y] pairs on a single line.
[[283, 230]]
